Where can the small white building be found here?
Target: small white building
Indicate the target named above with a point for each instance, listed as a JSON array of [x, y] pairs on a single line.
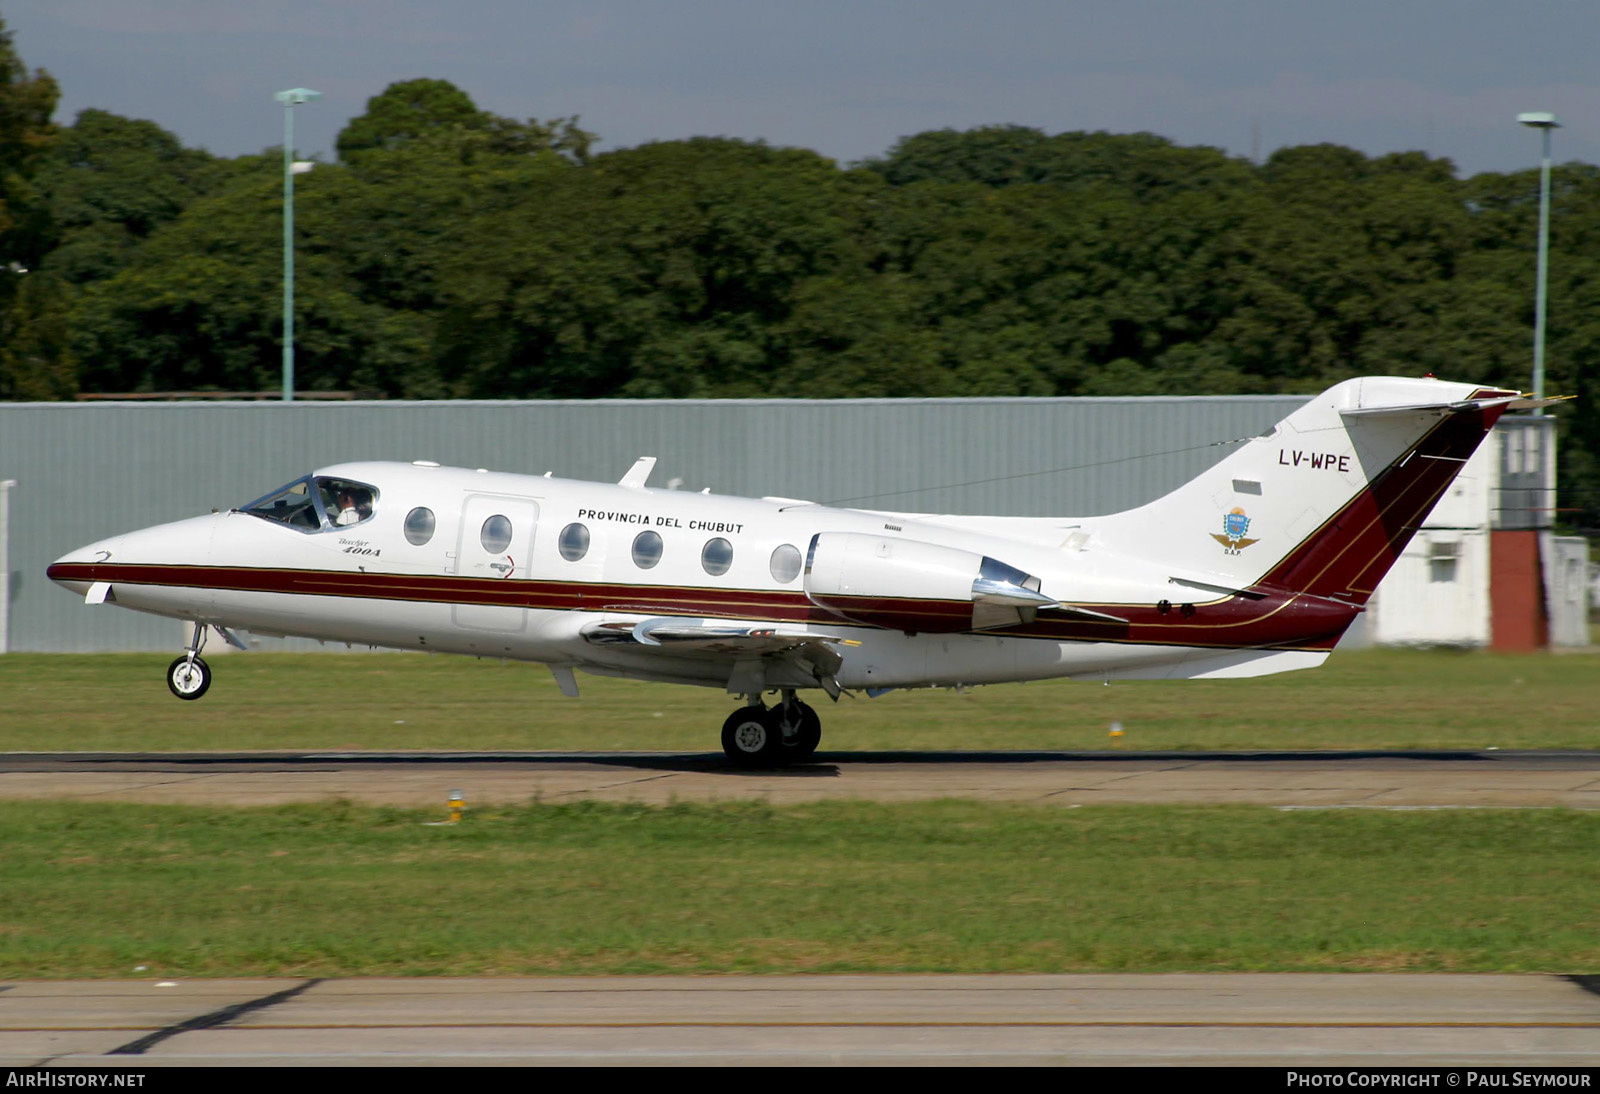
[[1485, 569]]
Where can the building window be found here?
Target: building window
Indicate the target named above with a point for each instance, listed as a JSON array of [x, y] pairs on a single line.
[[1443, 558], [646, 550], [573, 542], [419, 526]]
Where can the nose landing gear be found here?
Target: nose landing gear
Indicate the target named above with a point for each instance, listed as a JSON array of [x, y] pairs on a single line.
[[189, 677], [758, 736]]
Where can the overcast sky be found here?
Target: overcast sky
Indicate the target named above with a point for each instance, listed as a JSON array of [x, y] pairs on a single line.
[[849, 77]]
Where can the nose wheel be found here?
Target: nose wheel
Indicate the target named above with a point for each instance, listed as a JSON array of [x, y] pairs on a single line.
[[757, 736], [189, 677]]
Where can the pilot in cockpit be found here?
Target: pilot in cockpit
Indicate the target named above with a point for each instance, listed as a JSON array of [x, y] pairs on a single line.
[[355, 505]]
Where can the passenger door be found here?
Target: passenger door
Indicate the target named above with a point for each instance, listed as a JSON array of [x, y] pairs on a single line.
[[495, 544]]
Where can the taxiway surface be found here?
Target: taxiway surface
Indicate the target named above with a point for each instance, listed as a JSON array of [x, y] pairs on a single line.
[[1175, 1019]]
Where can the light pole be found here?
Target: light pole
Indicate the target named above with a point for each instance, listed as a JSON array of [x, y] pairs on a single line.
[[289, 99], [1544, 123]]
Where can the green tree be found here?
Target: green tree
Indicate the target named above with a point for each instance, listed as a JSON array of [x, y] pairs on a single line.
[[26, 102], [195, 303], [407, 110], [655, 271], [423, 109], [33, 364], [36, 361], [108, 183], [1141, 165], [200, 309]]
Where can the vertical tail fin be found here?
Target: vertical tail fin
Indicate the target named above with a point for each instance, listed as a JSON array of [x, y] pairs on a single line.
[[1325, 501]]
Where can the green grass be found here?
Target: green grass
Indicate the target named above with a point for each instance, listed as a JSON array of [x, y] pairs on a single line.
[[98, 889], [1388, 699]]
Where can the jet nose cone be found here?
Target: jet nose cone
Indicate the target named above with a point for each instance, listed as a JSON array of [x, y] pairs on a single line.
[[77, 570]]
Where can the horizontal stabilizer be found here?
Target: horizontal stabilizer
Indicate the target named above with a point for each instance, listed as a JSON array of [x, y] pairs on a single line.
[[1507, 400], [1535, 404]]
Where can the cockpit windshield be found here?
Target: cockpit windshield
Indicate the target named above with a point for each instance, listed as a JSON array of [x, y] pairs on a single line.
[[313, 504]]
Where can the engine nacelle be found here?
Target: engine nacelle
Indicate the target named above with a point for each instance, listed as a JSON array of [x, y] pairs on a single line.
[[908, 585]]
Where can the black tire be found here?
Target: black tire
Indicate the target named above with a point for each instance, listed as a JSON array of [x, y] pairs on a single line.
[[801, 744], [749, 738], [187, 684]]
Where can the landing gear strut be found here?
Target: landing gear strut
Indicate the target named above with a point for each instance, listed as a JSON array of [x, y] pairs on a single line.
[[189, 677], [758, 736]]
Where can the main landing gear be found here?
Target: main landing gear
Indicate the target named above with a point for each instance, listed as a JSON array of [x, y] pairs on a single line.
[[759, 736], [189, 677]]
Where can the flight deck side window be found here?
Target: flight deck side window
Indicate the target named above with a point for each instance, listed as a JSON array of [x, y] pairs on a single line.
[[646, 550], [293, 505], [496, 534], [314, 504], [345, 502], [419, 526], [716, 557], [573, 542], [785, 564]]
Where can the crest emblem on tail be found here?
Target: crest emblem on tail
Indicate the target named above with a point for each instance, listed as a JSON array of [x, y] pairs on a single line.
[[1234, 526]]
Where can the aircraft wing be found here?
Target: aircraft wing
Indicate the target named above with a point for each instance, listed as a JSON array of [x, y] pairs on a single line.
[[708, 635], [721, 638]]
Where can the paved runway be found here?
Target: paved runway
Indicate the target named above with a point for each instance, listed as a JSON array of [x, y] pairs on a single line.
[[424, 780], [1181, 1019]]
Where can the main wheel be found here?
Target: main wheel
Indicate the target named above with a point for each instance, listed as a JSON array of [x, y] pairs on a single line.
[[802, 741], [186, 680], [749, 738]]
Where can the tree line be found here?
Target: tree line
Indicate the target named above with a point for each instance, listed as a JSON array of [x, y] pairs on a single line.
[[452, 253]]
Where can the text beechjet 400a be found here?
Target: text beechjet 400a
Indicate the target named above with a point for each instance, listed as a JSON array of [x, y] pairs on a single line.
[[1256, 566]]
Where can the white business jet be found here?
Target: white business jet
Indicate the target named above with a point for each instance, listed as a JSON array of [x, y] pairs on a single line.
[[1256, 566]]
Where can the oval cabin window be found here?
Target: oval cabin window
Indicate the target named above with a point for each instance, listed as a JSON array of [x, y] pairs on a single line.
[[496, 534], [646, 550], [419, 526], [573, 542], [785, 564], [716, 557]]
